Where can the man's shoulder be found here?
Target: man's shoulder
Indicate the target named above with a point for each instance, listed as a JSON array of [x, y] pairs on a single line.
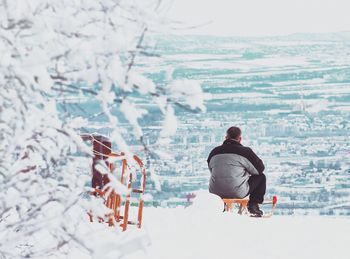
[[238, 147], [244, 151], [247, 148], [214, 151], [233, 149], [217, 148]]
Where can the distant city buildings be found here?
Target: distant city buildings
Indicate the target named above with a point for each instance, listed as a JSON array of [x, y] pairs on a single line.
[[292, 103]]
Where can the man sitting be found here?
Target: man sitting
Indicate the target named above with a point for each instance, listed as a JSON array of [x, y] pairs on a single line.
[[236, 171]]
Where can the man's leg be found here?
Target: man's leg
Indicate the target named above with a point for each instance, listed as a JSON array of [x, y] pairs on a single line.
[[257, 188]]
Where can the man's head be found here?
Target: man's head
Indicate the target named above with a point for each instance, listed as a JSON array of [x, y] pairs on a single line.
[[234, 133]]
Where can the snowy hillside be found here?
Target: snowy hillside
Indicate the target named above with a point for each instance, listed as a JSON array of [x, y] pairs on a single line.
[[178, 234], [202, 231]]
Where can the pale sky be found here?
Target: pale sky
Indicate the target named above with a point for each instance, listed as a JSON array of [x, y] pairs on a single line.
[[261, 17]]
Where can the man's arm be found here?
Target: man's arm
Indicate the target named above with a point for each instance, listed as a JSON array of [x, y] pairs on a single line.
[[211, 154], [257, 162], [208, 160]]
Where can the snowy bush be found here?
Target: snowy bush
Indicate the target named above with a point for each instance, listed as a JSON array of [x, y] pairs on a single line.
[[51, 51]]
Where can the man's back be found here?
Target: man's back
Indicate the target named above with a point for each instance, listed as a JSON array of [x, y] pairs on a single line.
[[231, 165]]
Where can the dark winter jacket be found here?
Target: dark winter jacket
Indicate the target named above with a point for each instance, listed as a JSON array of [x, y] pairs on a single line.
[[231, 165]]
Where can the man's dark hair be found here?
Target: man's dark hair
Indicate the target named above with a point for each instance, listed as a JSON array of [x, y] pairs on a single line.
[[234, 132]]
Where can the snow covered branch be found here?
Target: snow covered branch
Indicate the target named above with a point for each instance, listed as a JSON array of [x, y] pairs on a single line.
[[51, 51]]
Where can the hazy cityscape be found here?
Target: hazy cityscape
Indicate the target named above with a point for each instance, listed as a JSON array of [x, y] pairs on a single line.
[[291, 97]]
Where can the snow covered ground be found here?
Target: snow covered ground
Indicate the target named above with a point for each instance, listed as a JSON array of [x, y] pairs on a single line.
[[202, 231]]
